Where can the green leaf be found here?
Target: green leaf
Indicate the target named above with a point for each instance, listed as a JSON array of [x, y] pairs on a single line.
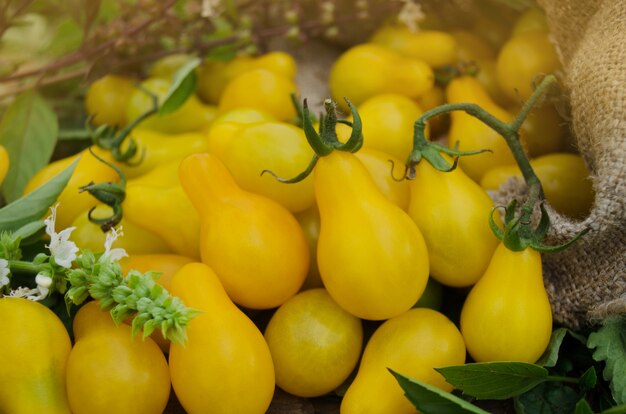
[[28, 131], [34, 205], [183, 86], [618, 409], [588, 380], [429, 399], [222, 29], [30, 232], [67, 38], [547, 398], [551, 354], [494, 380], [583, 407], [609, 343]]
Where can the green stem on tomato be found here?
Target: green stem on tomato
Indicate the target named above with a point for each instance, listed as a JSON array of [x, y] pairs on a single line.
[[518, 232]]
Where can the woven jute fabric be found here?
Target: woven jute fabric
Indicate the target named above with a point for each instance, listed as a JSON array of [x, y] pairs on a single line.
[[587, 282]]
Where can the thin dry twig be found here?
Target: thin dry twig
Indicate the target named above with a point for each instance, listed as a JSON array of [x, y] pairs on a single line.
[[127, 43], [81, 55]]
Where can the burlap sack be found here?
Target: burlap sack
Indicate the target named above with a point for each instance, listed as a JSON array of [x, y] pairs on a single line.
[[587, 282]]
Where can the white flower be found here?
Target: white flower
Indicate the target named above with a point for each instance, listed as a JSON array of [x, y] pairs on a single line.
[[4, 273], [63, 250], [43, 287], [44, 282], [117, 253], [21, 292]]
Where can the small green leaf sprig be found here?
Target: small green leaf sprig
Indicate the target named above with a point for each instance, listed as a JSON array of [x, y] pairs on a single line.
[[136, 295], [80, 275]]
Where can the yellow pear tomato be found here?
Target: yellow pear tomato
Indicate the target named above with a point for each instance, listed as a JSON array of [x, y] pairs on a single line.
[[315, 344], [521, 60], [435, 47], [260, 89], [369, 69], [106, 99]]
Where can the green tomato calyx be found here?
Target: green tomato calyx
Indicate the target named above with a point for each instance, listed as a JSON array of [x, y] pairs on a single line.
[[325, 140], [111, 194], [519, 234], [431, 151]]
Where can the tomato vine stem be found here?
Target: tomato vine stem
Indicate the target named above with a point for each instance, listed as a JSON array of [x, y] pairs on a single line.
[[518, 233]]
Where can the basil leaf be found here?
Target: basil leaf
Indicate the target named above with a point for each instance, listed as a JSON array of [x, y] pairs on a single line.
[[551, 354], [28, 131], [34, 205], [183, 86], [547, 398], [583, 407], [429, 399], [494, 380]]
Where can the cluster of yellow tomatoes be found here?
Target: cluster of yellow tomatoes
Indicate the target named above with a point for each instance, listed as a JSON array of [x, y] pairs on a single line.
[[350, 242]]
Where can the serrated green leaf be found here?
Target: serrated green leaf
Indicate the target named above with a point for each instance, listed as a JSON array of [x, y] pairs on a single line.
[[547, 398], [583, 407], [28, 131], [551, 354], [429, 399], [34, 205], [494, 380], [609, 344], [183, 86]]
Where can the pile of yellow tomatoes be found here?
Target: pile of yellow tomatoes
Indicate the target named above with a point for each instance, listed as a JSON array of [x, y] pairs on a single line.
[[353, 241]]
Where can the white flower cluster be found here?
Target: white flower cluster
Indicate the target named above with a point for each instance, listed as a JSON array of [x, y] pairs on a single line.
[[410, 14], [63, 251]]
